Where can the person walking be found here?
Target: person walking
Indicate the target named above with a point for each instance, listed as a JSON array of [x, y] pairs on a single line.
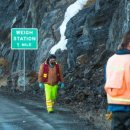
[[117, 85], [50, 77]]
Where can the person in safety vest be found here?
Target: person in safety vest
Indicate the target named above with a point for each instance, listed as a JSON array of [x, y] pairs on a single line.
[[117, 85], [50, 77]]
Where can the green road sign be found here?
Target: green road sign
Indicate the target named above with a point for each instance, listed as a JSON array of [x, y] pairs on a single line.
[[24, 38]]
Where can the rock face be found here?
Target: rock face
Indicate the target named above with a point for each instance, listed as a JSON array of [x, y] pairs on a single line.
[[41, 14], [46, 15], [93, 35], [120, 24]]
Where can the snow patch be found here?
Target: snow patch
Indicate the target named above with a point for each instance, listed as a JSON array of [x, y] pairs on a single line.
[[71, 11], [13, 22]]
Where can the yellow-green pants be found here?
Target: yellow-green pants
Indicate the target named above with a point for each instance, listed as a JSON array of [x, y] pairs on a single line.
[[51, 95]]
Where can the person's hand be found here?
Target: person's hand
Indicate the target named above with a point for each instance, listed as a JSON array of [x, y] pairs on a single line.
[[41, 85], [59, 83], [62, 85], [108, 116]]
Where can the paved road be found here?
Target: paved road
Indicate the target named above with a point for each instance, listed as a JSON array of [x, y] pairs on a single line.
[[16, 115]]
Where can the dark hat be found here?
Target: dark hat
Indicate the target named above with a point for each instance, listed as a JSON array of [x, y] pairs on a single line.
[[52, 56]]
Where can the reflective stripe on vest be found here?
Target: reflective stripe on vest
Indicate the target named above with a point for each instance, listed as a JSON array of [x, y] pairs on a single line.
[[45, 72], [117, 100]]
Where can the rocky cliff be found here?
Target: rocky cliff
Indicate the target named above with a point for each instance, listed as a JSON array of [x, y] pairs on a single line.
[[46, 16], [93, 35]]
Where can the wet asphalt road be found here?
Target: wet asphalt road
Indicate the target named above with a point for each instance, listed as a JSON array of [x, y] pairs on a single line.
[[29, 115]]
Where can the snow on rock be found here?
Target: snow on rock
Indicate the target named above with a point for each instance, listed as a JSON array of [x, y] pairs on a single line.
[[71, 11]]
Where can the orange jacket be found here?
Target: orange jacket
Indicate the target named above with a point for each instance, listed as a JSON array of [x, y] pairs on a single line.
[[52, 75], [117, 84]]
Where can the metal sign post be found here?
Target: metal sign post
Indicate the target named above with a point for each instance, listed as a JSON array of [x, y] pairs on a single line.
[[24, 39], [24, 72]]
